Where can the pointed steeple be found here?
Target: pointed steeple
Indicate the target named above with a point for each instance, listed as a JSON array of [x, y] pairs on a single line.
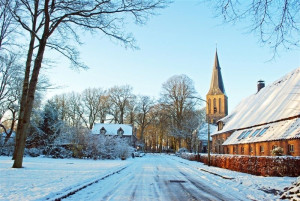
[[216, 85], [217, 101]]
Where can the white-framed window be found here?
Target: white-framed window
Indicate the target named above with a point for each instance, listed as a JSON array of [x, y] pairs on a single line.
[[291, 147]]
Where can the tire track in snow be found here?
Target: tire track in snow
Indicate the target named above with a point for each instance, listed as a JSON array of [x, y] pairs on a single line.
[[73, 191], [157, 178]]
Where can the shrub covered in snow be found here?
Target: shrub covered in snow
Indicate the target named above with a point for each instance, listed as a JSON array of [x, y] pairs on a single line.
[[33, 152], [107, 147], [182, 151], [58, 152], [278, 151], [292, 192], [7, 145]]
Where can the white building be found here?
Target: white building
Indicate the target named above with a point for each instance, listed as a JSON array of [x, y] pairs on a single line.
[[125, 131]]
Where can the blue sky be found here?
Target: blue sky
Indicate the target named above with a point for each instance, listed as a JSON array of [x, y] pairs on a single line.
[[180, 40]]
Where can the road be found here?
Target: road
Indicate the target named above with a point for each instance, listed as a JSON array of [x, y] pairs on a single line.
[[158, 177]]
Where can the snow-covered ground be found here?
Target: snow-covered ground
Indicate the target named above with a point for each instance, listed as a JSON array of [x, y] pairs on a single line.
[[152, 177], [43, 178]]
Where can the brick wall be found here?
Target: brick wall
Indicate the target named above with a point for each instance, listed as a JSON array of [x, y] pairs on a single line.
[[229, 149], [256, 165]]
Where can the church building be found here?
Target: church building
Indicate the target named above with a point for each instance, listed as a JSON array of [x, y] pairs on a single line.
[[217, 103], [216, 98]]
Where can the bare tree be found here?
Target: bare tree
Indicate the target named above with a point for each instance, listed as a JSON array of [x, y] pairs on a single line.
[[93, 100], [7, 24], [61, 102], [158, 128], [175, 98], [276, 22], [131, 113], [10, 82], [104, 107], [50, 23], [143, 119], [120, 98]]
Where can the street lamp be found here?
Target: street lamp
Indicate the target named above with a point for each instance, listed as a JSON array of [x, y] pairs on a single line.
[[208, 129]]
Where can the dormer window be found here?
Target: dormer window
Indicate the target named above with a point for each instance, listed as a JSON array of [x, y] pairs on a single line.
[[102, 131], [120, 132]]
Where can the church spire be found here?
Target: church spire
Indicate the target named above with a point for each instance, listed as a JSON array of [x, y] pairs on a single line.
[[216, 85], [217, 101]]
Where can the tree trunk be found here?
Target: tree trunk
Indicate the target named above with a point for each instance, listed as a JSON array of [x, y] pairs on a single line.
[[26, 80], [24, 92], [29, 97], [27, 107]]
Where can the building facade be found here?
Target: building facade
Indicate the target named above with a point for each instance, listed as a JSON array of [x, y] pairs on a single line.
[[264, 122], [125, 131]]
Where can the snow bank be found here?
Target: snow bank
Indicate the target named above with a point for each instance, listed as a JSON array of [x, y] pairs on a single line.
[[293, 192], [44, 177]]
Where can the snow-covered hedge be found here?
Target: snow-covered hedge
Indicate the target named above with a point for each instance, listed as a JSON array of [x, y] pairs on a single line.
[[256, 165], [33, 152]]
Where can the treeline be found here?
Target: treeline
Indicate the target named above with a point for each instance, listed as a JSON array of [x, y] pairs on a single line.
[[163, 124]]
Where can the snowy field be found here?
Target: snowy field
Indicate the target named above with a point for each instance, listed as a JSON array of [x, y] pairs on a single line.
[[151, 177]]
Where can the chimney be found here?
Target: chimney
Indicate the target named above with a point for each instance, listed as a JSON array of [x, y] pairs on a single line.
[[260, 85]]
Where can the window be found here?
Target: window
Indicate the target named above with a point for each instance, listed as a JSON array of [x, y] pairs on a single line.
[[291, 147], [241, 135], [220, 105], [250, 149], [261, 149], [255, 132], [234, 150], [274, 147], [242, 150], [220, 125], [246, 134], [209, 106], [215, 106], [120, 132], [102, 131], [262, 132]]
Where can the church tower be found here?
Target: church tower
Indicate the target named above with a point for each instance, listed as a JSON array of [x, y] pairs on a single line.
[[216, 98]]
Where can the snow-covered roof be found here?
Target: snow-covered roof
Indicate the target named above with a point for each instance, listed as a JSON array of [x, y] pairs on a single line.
[[112, 129], [288, 129], [277, 101], [202, 132]]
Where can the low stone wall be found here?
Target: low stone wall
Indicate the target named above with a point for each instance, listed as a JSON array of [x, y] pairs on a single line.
[[256, 165]]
